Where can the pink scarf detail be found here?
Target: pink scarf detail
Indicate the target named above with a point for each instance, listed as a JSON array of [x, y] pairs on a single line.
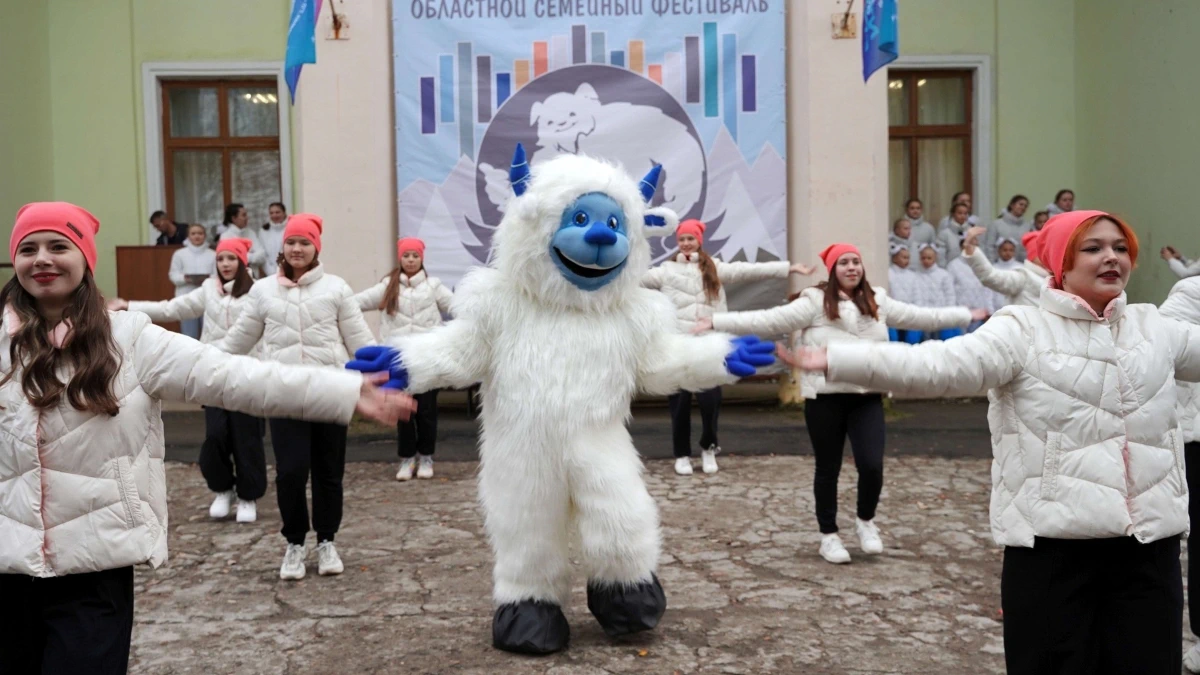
[[58, 336]]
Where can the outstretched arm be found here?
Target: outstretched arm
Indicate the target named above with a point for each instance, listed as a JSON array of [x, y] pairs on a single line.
[[1007, 282], [911, 317], [965, 366], [369, 299], [1184, 268], [738, 272], [248, 329], [453, 355], [180, 308], [796, 315]]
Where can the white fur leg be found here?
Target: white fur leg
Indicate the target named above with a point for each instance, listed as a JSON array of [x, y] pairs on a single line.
[[526, 513], [616, 516]]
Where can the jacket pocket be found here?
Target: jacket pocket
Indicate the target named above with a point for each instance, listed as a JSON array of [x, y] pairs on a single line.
[[130, 500], [1050, 466]]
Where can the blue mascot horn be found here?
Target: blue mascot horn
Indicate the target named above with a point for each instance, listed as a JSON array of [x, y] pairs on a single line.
[[650, 183], [518, 173]]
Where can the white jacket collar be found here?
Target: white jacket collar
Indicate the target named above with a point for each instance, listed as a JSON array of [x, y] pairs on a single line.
[[1071, 306], [413, 281], [305, 279], [686, 259]]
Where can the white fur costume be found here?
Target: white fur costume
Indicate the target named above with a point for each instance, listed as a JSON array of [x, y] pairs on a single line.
[[559, 366]]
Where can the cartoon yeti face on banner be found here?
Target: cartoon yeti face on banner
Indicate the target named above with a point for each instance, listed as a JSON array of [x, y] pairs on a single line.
[[576, 232], [600, 111]]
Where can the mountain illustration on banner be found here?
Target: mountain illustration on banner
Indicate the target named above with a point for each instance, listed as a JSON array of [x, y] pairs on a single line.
[[741, 199]]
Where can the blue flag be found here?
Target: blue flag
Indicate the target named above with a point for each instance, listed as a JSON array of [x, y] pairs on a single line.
[[881, 36], [301, 42]]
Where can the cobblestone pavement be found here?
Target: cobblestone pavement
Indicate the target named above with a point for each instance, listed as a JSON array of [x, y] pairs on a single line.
[[746, 589]]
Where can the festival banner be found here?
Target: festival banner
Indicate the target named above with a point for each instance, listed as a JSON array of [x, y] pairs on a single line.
[[694, 85]]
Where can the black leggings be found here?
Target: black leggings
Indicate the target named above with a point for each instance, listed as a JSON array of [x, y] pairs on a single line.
[[1191, 457], [830, 419], [418, 434], [680, 404]]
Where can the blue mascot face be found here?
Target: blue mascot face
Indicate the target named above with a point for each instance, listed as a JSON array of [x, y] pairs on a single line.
[[592, 242]]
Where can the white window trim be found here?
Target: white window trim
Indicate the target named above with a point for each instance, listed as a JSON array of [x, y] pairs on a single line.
[[981, 132], [152, 75]]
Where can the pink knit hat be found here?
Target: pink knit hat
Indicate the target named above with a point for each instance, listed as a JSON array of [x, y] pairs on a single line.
[[693, 227], [305, 225], [1032, 243], [236, 246], [72, 222], [410, 244], [834, 251], [1055, 236]]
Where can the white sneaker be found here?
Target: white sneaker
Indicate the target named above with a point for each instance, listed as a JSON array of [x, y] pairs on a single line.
[[683, 466], [708, 459], [868, 536], [1191, 659], [425, 467], [328, 561], [406, 469], [247, 511], [833, 551], [221, 505], [293, 563]]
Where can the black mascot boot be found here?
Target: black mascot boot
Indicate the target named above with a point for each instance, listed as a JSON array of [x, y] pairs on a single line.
[[622, 610], [530, 627]]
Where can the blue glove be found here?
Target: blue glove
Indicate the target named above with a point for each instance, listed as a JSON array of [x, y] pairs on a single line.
[[381, 359], [748, 353]]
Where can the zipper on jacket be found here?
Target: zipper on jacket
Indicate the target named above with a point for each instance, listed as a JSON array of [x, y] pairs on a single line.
[[37, 435]]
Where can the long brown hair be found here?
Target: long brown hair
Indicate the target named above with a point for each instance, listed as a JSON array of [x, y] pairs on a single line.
[[708, 275], [863, 297], [90, 353], [290, 272], [242, 281], [391, 296]]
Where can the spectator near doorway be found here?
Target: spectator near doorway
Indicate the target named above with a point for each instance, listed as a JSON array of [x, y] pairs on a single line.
[[170, 233]]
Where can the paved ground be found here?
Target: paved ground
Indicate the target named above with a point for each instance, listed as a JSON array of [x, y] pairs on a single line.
[[747, 592]]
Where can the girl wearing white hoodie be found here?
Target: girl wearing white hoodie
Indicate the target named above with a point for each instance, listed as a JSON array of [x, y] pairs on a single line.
[[190, 266], [83, 494], [843, 309], [694, 282], [232, 459], [411, 302], [303, 315], [1089, 497], [1010, 225]]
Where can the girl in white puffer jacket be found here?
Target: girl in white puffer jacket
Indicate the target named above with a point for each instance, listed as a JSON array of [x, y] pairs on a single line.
[[411, 302], [303, 315], [844, 308], [694, 282], [232, 459], [83, 495], [1088, 490]]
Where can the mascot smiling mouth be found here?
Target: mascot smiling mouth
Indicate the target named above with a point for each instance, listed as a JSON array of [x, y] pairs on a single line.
[[586, 271]]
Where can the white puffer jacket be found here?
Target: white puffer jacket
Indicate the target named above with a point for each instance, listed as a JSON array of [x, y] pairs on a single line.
[[932, 287], [1183, 304], [211, 301], [422, 302], [1085, 436], [1020, 286], [312, 320], [680, 280], [807, 313], [82, 493]]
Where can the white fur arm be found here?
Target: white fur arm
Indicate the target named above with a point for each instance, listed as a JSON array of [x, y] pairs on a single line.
[[369, 299], [737, 272], [675, 361], [187, 306], [454, 354], [965, 366]]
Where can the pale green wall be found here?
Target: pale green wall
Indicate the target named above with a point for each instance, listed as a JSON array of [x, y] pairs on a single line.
[[26, 162], [82, 124], [1031, 46], [1139, 133]]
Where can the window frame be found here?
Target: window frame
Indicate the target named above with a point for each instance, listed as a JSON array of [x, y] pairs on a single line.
[[914, 131]]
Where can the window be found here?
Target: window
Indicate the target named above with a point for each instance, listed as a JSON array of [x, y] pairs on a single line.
[[220, 145], [929, 138]]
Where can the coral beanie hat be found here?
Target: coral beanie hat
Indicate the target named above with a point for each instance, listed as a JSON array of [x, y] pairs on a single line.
[[72, 222], [305, 225]]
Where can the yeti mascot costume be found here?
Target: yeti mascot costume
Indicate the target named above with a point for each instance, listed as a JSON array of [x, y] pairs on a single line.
[[561, 336]]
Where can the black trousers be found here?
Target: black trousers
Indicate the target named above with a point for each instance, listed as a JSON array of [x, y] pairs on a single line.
[[302, 448], [1191, 459], [232, 455], [418, 434], [681, 419], [1093, 606], [830, 419], [79, 623]]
